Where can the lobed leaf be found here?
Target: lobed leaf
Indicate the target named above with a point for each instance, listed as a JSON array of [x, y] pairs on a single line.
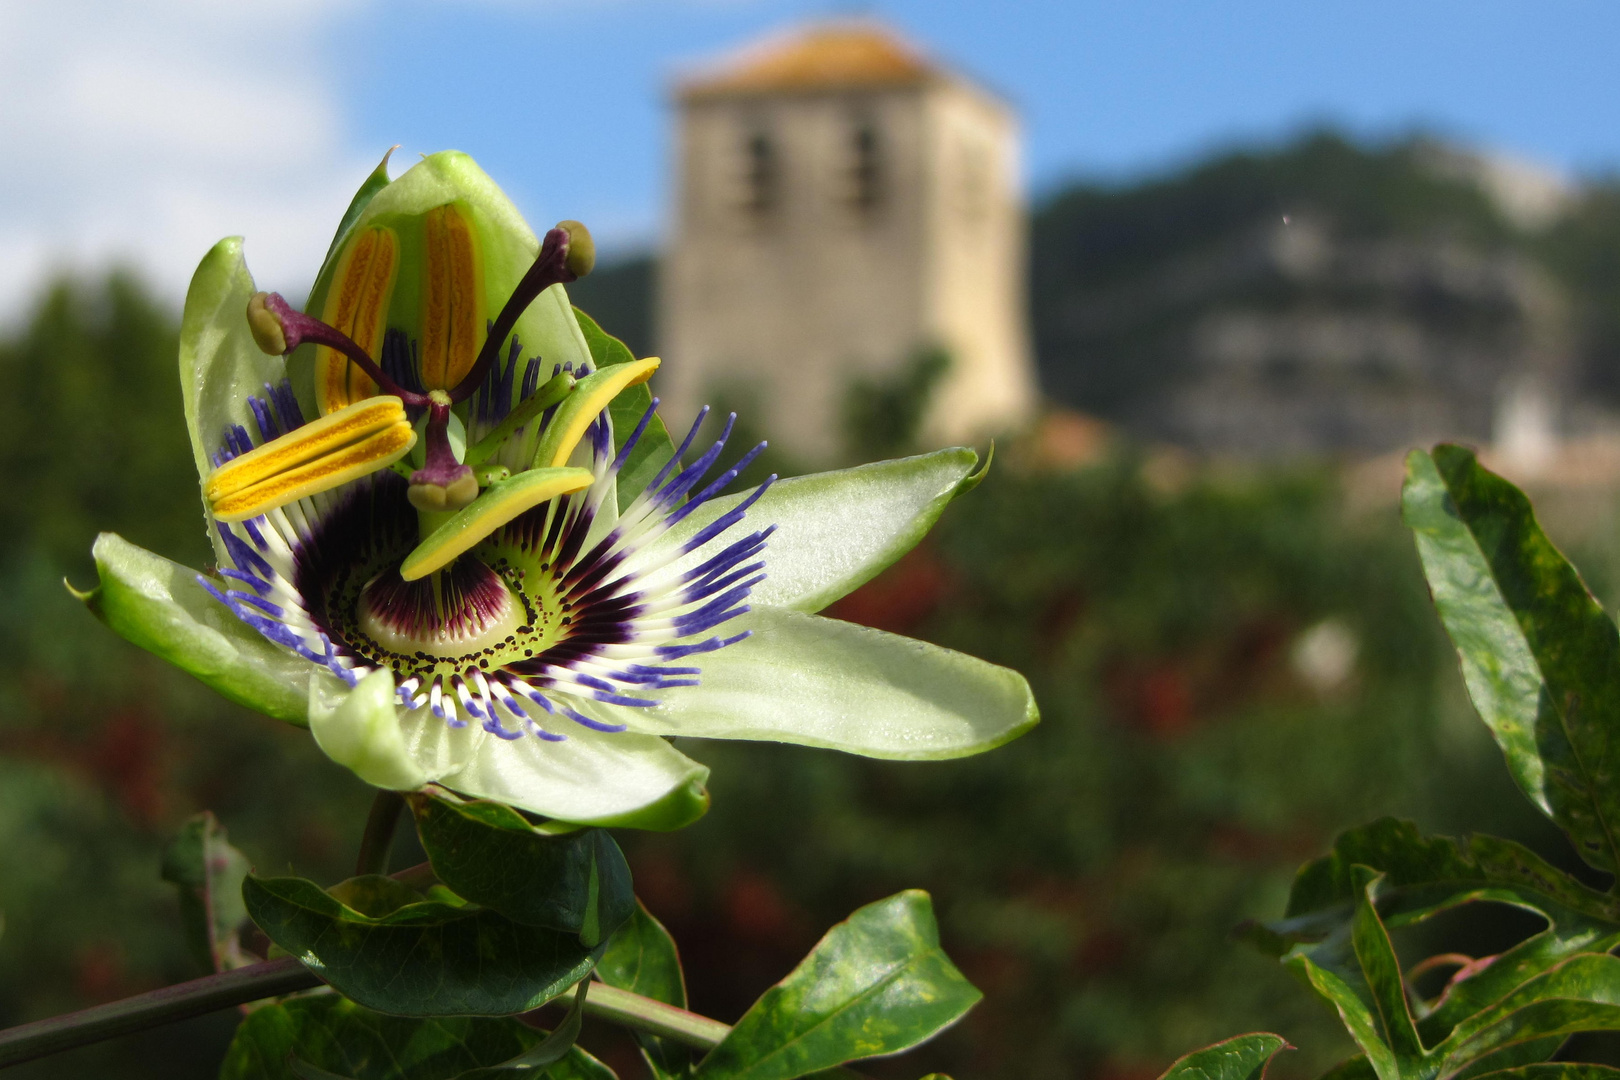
[[419, 959], [877, 983]]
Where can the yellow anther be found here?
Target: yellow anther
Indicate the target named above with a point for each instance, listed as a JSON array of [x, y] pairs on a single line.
[[357, 304], [339, 447], [494, 508], [591, 395], [453, 323]]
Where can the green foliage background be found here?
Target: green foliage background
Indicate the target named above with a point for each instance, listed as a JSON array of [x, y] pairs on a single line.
[[1086, 876]]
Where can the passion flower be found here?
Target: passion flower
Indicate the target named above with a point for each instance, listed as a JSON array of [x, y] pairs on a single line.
[[455, 540]]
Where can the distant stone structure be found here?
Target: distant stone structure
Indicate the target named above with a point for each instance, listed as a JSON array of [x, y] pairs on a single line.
[[1317, 299], [842, 203]]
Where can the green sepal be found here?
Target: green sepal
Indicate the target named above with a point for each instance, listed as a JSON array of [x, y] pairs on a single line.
[[488, 853], [160, 606], [220, 365], [835, 531], [878, 983], [420, 959], [506, 245], [373, 183]]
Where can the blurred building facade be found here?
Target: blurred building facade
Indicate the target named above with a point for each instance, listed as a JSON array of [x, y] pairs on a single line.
[[843, 203]]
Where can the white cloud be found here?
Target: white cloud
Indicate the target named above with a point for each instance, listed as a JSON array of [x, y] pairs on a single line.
[[142, 132]]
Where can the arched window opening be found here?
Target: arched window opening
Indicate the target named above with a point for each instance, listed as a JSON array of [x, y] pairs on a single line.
[[761, 174], [865, 167]]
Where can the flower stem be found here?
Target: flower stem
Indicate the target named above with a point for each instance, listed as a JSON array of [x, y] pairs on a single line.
[[178, 1002], [378, 838], [654, 1017]]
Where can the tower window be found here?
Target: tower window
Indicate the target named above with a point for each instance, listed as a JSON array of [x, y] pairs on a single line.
[[865, 166], [761, 174]]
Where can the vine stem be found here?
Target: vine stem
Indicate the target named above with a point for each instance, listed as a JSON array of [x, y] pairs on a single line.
[[179, 1002], [378, 838], [285, 976]]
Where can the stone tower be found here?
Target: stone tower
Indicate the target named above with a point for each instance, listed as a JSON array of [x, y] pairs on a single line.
[[842, 203]]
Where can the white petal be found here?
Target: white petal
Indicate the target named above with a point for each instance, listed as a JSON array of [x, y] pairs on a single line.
[[820, 682], [360, 729], [591, 778], [834, 530]]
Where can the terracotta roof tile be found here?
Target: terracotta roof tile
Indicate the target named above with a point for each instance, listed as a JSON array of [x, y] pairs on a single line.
[[823, 57]]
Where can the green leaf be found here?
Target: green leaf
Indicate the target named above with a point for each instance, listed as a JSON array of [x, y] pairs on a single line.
[[579, 1065], [548, 1051], [1539, 655], [1382, 971], [1354, 1012], [422, 959], [1242, 1057], [1423, 876], [1580, 994], [487, 853], [835, 531], [654, 449], [208, 873], [815, 681], [641, 957], [339, 1037], [159, 606], [876, 984], [1556, 1070]]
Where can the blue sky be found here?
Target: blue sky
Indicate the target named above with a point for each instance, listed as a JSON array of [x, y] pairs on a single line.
[[565, 102], [146, 129]]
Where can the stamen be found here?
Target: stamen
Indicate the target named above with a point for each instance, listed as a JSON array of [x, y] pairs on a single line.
[[452, 298], [591, 395], [557, 264], [295, 328], [356, 305], [324, 454], [494, 508]]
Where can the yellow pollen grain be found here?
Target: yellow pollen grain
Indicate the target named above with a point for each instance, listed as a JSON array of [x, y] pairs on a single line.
[[452, 298], [350, 463], [315, 439], [356, 304]]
